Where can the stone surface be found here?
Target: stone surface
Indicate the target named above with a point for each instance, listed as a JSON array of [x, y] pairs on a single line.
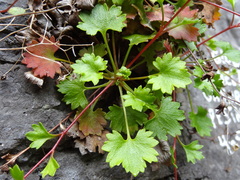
[[23, 104]]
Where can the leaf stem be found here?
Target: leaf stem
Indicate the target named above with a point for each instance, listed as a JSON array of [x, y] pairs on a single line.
[[175, 158], [126, 87], [190, 99], [124, 112], [126, 56], [109, 52], [179, 141], [99, 86], [114, 48], [63, 60], [67, 129], [137, 78]]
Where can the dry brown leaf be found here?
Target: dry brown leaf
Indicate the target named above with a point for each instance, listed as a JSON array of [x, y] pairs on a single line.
[[10, 158], [35, 5], [210, 13], [91, 143]]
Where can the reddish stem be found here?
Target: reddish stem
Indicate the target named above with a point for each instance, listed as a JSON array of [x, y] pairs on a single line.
[[6, 10], [228, 28], [67, 129], [203, 42], [175, 158], [159, 33], [216, 5], [174, 98]]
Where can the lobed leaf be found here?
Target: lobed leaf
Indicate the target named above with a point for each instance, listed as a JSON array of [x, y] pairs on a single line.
[[139, 98], [165, 120], [228, 51], [172, 73], [184, 23], [192, 151], [92, 122], [131, 153], [74, 92], [40, 57], [136, 39], [39, 136], [16, 173], [124, 72], [116, 115], [102, 19], [210, 13], [201, 122], [89, 66], [51, 167]]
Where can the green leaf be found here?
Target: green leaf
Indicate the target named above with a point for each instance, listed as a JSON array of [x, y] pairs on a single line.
[[89, 66], [16, 173], [124, 72], [118, 2], [182, 2], [228, 51], [205, 85], [74, 92], [116, 115], [136, 39], [139, 98], [166, 119], [201, 122], [150, 54], [202, 27], [192, 151], [172, 73], [51, 167], [184, 21], [232, 2], [16, 10], [98, 50], [39, 136], [232, 55], [102, 19], [191, 45], [218, 83], [198, 72], [132, 153]]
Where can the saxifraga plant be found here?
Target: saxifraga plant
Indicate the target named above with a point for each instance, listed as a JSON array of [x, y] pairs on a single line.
[[145, 51]]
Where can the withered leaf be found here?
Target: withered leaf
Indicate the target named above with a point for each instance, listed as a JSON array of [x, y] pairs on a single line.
[[92, 122], [210, 13], [92, 143], [208, 76], [40, 57], [221, 108]]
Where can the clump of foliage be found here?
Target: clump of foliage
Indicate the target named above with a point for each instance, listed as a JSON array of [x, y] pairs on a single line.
[[144, 53]]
